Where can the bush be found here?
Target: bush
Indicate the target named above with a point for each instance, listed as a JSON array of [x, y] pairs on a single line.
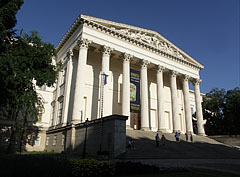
[[132, 168], [33, 165], [50, 165], [91, 167]]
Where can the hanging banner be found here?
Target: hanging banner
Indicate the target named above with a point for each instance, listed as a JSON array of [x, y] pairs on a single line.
[[135, 91]]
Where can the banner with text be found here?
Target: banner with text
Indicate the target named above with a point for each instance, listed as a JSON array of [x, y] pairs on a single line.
[[135, 91]]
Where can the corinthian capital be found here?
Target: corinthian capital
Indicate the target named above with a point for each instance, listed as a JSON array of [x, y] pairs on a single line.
[[126, 57], [159, 68], [173, 73], [83, 43], [106, 50], [70, 53], [185, 77], [144, 63], [196, 81]]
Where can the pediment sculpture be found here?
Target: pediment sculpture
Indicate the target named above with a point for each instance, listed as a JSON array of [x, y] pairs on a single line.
[[152, 40]]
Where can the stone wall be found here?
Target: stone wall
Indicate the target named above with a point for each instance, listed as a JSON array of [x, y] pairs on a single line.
[[109, 133]]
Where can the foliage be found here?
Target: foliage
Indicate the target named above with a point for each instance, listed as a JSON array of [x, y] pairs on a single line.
[[91, 167], [221, 109], [33, 165], [49, 165], [131, 168], [8, 11], [25, 61]]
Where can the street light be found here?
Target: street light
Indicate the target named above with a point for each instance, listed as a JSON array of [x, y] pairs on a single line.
[[85, 141]]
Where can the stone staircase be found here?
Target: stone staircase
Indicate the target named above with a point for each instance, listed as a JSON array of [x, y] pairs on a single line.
[[200, 148]]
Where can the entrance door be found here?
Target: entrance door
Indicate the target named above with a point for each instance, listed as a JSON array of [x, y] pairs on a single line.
[[135, 121]]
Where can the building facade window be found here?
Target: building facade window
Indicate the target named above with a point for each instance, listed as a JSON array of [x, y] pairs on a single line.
[[52, 115], [60, 109], [55, 140], [47, 141], [63, 139], [36, 140], [63, 78]]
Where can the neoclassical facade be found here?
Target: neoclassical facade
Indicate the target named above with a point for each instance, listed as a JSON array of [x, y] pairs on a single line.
[[99, 59]]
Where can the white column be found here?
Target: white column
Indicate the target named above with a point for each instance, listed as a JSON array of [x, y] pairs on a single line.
[[107, 106], [187, 109], [126, 86], [162, 124], [144, 96], [68, 82], [174, 99], [199, 114], [78, 104]]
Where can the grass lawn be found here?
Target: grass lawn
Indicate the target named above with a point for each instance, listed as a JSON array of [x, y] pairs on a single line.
[[197, 172]]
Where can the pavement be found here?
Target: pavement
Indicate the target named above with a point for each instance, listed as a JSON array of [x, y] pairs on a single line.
[[203, 152]]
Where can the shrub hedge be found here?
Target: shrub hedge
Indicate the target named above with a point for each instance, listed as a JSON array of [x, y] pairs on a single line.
[[60, 166]]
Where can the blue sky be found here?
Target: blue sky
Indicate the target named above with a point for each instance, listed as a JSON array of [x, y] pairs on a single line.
[[208, 30]]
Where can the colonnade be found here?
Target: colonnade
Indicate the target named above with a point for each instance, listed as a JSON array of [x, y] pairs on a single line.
[[106, 52]]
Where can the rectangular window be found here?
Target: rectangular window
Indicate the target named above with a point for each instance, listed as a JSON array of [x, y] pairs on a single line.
[[63, 140], [60, 109], [37, 140], [47, 141], [64, 72], [52, 115], [54, 140]]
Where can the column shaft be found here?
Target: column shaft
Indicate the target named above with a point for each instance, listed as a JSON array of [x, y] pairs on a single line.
[[68, 85], [144, 97], [174, 99], [199, 114], [187, 109], [107, 105], [78, 104], [126, 87], [162, 123]]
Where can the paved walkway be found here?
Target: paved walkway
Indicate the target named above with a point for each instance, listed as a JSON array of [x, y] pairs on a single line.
[[225, 165], [202, 153]]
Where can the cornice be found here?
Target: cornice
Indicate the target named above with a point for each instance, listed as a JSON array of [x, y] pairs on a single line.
[[88, 21]]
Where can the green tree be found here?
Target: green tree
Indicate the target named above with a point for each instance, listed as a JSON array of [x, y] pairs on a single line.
[[25, 61], [221, 109], [8, 11], [232, 111]]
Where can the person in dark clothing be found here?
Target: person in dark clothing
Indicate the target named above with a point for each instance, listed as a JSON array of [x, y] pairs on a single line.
[[157, 140]]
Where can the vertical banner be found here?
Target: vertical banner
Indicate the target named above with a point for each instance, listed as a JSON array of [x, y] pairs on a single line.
[[135, 91]]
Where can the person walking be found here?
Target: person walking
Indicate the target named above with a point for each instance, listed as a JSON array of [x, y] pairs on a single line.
[[191, 137], [163, 140], [177, 135], [186, 135], [157, 140]]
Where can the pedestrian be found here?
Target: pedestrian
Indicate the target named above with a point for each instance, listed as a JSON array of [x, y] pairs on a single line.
[[157, 140], [186, 135], [163, 140], [177, 135], [191, 137], [130, 144]]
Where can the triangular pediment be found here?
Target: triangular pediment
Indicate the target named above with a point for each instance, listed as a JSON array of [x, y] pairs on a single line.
[[146, 36]]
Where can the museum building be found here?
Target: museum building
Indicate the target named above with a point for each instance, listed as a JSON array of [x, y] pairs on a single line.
[[112, 68]]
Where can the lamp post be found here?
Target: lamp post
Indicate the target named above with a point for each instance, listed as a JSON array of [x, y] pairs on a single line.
[[85, 141]]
